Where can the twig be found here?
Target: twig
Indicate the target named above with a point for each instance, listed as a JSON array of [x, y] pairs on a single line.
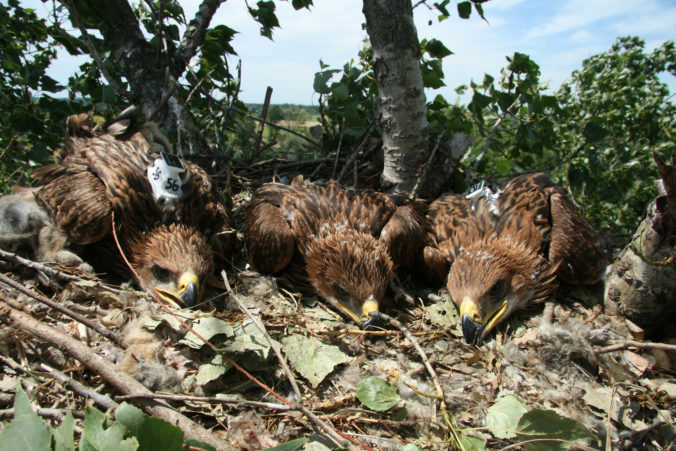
[[635, 344], [75, 17], [261, 125], [207, 399], [59, 308], [491, 135], [423, 356], [56, 414], [292, 380], [108, 371], [340, 143], [273, 345], [358, 148], [426, 168], [102, 400], [53, 272]]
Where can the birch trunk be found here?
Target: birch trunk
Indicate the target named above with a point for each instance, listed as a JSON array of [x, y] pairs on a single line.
[[403, 113]]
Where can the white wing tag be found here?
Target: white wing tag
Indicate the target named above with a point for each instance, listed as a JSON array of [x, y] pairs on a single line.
[[164, 176]]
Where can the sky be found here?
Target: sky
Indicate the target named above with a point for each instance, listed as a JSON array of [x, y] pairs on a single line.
[[558, 36]]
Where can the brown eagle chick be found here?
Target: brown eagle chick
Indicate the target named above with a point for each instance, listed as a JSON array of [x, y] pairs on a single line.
[[506, 250], [166, 228], [340, 244]]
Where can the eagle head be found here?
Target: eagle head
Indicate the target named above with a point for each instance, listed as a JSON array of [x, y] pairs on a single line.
[[495, 276], [173, 261], [350, 268]]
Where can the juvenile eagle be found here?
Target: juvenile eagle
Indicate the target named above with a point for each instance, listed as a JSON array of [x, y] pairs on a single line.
[[166, 226], [500, 252], [340, 244]]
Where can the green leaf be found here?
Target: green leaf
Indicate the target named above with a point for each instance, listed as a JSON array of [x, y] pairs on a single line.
[[502, 418], [377, 394], [95, 436], [464, 9], [151, 433], [437, 49], [545, 424], [470, 443], [26, 431], [291, 445], [321, 79], [312, 359], [298, 4], [411, 447], [594, 133], [64, 434]]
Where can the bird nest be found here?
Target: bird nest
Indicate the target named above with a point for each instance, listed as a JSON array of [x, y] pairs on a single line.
[[258, 365]]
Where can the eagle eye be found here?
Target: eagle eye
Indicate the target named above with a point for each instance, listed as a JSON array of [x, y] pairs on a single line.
[[160, 272], [497, 289], [341, 293]]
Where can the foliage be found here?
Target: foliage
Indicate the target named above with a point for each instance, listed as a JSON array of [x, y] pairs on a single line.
[[616, 111], [132, 430], [29, 126], [595, 135], [377, 394]]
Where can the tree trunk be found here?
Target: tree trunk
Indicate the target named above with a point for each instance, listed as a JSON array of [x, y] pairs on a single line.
[[403, 113], [152, 75], [642, 282]]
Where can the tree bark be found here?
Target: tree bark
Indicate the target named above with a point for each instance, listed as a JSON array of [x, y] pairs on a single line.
[[403, 112], [152, 75]]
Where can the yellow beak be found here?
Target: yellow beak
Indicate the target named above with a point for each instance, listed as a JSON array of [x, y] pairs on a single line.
[[475, 325], [187, 294]]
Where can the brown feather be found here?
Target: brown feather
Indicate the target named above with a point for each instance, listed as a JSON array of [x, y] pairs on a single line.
[[516, 245], [340, 244], [102, 170]]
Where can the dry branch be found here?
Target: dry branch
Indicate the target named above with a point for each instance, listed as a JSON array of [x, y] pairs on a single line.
[[118, 379], [59, 308]]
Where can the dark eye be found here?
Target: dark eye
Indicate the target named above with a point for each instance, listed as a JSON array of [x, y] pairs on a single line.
[[160, 273], [497, 289], [341, 293]]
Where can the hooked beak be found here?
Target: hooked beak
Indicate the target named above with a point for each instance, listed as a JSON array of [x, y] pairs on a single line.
[[363, 318], [188, 292], [474, 325]]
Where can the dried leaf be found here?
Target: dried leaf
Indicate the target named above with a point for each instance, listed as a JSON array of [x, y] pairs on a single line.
[[212, 371], [207, 328], [312, 359]]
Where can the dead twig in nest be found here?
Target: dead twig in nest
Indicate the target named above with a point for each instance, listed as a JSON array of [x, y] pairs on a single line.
[[437, 385], [53, 272], [102, 400], [336, 436], [108, 371], [61, 309], [635, 344], [207, 399]]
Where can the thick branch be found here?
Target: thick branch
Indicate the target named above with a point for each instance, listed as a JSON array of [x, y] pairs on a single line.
[[194, 34], [120, 380]]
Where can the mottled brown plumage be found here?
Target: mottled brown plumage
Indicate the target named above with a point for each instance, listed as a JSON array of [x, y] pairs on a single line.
[[102, 170], [340, 244], [500, 252]]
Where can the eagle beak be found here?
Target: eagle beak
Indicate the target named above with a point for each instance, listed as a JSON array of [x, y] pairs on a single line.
[[474, 325], [188, 292], [365, 319], [369, 306]]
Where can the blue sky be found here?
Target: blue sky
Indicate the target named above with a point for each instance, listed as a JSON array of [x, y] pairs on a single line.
[[557, 35]]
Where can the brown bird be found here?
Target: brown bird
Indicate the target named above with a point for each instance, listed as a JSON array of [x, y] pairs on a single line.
[[167, 216], [340, 244], [500, 252]]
